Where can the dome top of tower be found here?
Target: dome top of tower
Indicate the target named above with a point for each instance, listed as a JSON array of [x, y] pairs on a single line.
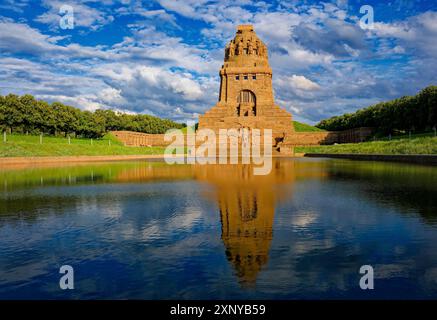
[[246, 49]]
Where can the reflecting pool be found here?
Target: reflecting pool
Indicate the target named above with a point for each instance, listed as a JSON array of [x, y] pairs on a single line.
[[148, 230]]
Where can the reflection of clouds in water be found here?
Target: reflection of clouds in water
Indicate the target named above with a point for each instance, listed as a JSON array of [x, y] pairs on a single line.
[[125, 231], [303, 246], [156, 228], [308, 282], [400, 250], [186, 220], [430, 278], [111, 210], [106, 207], [394, 270], [303, 218], [86, 205], [25, 272], [182, 221]]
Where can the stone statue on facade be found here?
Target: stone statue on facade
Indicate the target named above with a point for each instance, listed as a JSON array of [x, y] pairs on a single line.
[[250, 47], [240, 48], [257, 45], [261, 50], [231, 49]]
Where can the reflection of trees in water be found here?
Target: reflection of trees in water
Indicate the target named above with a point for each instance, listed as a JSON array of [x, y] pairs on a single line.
[[32, 208], [407, 188]]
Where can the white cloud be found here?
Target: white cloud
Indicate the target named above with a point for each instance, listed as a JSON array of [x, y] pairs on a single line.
[[14, 5], [185, 8], [158, 16], [417, 33], [302, 83], [112, 96], [20, 38], [86, 102], [177, 83], [84, 16]]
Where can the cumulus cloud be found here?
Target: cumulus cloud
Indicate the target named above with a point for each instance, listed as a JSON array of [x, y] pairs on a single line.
[[302, 83], [336, 37], [22, 39], [14, 5], [19, 37], [84, 16], [416, 33], [156, 16]]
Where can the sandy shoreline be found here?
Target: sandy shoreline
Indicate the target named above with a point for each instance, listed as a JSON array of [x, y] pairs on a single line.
[[53, 160]]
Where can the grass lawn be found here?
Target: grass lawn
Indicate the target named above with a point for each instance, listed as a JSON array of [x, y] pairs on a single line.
[[303, 127], [29, 146], [416, 145]]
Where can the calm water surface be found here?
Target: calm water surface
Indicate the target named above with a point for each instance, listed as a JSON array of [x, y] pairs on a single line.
[[147, 230]]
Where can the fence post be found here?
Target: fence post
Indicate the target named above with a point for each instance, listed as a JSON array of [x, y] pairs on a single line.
[[4, 136], [109, 142], [40, 138], [69, 140]]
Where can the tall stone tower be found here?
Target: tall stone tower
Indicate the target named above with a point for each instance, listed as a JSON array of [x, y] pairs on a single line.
[[246, 94]]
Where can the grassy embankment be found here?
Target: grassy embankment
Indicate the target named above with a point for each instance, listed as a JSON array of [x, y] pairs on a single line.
[[30, 146], [303, 127], [417, 144], [422, 143]]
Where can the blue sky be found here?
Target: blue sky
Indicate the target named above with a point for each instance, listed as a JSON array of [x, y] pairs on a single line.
[[163, 57]]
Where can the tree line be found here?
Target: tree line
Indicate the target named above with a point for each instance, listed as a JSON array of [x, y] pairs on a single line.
[[409, 113], [25, 114]]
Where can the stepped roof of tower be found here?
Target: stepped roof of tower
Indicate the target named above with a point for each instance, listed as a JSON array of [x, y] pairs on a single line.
[[246, 49]]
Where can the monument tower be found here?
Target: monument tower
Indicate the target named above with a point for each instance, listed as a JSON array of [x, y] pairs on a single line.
[[246, 94]]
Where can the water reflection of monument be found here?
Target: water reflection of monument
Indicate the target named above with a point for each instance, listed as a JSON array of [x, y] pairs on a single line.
[[247, 221], [247, 207]]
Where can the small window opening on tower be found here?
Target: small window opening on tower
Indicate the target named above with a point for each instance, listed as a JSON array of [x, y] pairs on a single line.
[[254, 77], [237, 77], [246, 77]]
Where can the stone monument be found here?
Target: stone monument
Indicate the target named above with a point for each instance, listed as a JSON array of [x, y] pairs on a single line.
[[246, 94]]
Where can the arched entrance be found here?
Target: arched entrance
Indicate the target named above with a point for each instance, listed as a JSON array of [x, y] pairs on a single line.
[[246, 104]]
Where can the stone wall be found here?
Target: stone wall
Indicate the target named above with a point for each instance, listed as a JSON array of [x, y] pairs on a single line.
[[311, 138], [329, 137], [130, 138], [138, 139], [354, 135]]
